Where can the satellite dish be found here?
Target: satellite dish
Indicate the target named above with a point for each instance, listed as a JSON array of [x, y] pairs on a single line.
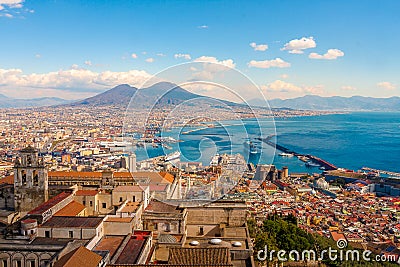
[[215, 241]]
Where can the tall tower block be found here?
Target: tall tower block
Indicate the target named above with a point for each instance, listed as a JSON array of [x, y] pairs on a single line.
[[132, 162], [30, 180]]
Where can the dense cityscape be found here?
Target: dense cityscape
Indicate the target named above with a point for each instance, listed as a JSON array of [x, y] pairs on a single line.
[[74, 189], [199, 133]]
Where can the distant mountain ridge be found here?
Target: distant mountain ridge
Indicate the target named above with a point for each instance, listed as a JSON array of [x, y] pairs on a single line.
[[8, 102], [313, 102]]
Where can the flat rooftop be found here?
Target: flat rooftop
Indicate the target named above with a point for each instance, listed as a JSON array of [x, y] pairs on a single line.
[[130, 207], [118, 219]]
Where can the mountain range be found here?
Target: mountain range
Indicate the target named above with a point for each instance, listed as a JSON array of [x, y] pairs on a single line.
[[337, 103], [8, 102], [168, 93]]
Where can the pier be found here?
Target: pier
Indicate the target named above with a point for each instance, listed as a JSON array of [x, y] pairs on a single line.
[[327, 165], [394, 174]]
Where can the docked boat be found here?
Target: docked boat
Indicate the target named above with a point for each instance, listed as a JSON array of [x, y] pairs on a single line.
[[288, 155], [251, 147], [312, 164], [173, 156]]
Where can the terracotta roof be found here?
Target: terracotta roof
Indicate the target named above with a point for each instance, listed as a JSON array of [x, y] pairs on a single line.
[[86, 193], [76, 222], [72, 209], [131, 252], [110, 243], [7, 180], [336, 236], [81, 257], [167, 176], [155, 177], [195, 256], [158, 206], [50, 203]]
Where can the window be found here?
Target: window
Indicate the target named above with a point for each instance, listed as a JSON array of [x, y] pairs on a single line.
[[91, 203], [47, 234], [18, 263], [104, 205], [44, 262], [31, 263], [84, 203], [167, 227], [23, 178], [155, 226], [201, 230], [71, 234], [133, 199], [35, 179], [120, 199], [4, 263]]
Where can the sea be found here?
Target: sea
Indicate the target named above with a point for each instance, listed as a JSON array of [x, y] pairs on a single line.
[[352, 141]]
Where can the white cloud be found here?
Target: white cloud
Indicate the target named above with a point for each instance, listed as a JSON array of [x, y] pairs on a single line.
[[11, 3], [259, 47], [386, 85], [297, 46], [203, 27], [228, 62], [133, 55], [13, 9], [88, 63], [74, 79], [330, 54], [185, 56], [161, 55], [348, 88], [211, 67], [7, 15], [285, 87], [150, 60], [38, 56], [265, 64], [284, 76], [75, 66]]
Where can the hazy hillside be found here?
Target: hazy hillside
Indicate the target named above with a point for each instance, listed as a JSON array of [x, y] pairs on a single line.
[[8, 102], [313, 102]]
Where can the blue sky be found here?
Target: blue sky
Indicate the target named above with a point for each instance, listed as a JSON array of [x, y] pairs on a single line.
[[73, 49]]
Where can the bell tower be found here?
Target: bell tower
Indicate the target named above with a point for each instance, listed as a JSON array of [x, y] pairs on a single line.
[[30, 180]]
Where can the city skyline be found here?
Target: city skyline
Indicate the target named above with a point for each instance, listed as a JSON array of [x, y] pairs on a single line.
[[289, 48]]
